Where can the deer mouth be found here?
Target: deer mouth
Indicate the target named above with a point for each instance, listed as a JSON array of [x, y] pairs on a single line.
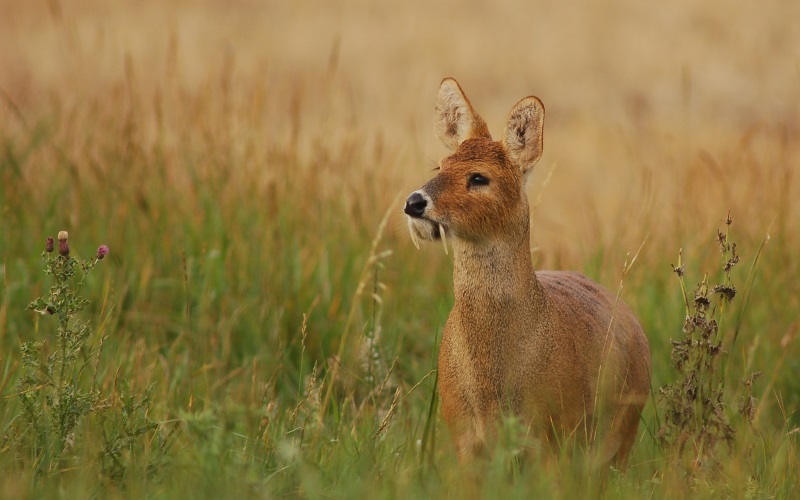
[[426, 230]]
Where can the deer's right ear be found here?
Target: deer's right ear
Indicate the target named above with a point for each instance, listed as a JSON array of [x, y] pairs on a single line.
[[456, 120]]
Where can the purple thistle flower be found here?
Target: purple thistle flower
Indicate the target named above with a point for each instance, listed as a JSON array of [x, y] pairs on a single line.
[[49, 244], [102, 251], [63, 246]]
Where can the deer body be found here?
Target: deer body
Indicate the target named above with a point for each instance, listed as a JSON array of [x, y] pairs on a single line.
[[553, 348]]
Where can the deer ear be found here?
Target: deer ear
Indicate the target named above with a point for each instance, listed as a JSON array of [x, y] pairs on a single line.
[[523, 136], [456, 120]]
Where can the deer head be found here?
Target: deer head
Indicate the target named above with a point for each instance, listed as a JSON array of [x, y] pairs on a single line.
[[478, 194]]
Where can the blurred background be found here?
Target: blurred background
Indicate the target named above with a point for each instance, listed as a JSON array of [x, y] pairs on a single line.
[[641, 99]]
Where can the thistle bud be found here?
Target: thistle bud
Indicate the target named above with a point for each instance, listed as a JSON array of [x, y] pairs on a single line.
[[49, 244], [63, 246], [102, 251]]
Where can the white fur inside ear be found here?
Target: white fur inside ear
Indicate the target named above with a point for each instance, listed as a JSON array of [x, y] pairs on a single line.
[[523, 135], [453, 115]]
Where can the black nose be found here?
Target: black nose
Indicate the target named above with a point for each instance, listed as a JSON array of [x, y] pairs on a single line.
[[415, 205]]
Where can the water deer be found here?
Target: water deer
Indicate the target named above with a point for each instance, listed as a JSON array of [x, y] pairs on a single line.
[[553, 348]]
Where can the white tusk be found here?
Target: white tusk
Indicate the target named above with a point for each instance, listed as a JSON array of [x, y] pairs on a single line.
[[413, 237], [444, 238]]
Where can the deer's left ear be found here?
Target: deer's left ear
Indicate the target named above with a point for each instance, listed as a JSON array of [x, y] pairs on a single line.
[[456, 119], [523, 136]]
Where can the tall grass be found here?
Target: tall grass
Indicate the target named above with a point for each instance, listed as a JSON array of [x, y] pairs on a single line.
[[240, 162]]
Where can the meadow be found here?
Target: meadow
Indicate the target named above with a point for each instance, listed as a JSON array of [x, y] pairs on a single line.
[[263, 325]]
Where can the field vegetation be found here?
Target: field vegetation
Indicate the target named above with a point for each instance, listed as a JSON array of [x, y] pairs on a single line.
[[263, 325]]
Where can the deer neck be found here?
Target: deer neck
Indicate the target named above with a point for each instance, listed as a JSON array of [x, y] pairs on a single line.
[[494, 281]]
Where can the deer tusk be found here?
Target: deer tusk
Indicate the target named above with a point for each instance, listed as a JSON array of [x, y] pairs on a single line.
[[444, 238], [413, 236]]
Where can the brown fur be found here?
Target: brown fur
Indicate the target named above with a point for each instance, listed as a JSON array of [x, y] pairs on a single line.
[[554, 348]]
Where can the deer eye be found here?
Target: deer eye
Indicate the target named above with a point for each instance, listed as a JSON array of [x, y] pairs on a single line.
[[477, 180]]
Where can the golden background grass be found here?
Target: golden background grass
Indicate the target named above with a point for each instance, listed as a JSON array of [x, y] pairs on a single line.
[[656, 113]]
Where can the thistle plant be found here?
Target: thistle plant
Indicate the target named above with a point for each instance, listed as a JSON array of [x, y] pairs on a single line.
[[696, 415], [55, 389]]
